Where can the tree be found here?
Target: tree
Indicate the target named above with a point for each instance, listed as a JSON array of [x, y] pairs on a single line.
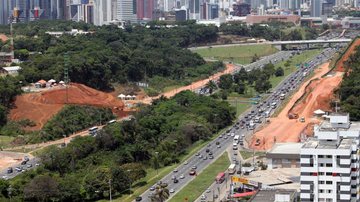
[[226, 81], [4, 185], [262, 86], [161, 194], [211, 85], [269, 69], [255, 58], [136, 171], [96, 183], [22, 54], [241, 76], [240, 88], [224, 94], [42, 188], [279, 72], [3, 115]]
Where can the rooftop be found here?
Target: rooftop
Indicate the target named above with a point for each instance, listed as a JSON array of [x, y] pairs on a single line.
[[288, 148], [269, 195], [314, 143]]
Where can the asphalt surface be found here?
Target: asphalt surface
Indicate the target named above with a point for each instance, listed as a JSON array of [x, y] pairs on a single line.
[[31, 164], [226, 140]]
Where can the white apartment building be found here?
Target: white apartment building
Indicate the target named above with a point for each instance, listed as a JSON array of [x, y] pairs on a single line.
[[330, 162]]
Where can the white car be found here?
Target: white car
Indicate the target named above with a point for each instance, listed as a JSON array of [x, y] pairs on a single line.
[[203, 197], [208, 190], [175, 170], [186, 162], [172, 191], [182, 176]]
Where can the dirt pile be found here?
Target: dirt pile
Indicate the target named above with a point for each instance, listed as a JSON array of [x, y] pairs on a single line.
[[40, 107], [340, 64]]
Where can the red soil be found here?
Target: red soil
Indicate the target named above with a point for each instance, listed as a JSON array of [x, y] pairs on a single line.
[[3, 37], [317, 95], [40, 107]]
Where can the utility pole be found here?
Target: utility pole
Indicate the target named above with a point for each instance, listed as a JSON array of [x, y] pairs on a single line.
[[66, 75], [110, 190]]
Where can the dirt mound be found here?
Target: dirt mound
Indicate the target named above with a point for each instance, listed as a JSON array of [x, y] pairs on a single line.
[[41, 106], [340, 64]]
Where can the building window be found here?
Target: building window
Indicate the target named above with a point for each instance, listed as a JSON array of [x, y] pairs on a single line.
[[329, 191], [321, 165], [329, 165], [321, 156], [353, 178], [321, 182], [321, 191], [328, 182], [329, 156], [328, 174], [321, 173]]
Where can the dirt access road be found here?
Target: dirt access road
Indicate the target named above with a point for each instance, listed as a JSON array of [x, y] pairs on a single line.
[[318, 95]]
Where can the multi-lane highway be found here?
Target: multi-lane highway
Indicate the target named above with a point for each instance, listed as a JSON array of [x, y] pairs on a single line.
[[19, 168], [242, 126]]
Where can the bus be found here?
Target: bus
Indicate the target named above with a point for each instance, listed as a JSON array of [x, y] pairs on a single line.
[[220, 178], [232, 169], [93, 130]]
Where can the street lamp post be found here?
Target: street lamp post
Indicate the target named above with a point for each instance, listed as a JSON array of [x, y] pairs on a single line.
[[129, 183], [110, 190], [157, 162]]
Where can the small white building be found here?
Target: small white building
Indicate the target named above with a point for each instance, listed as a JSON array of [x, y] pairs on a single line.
[[13, 70], [284, 155], [330, 161]]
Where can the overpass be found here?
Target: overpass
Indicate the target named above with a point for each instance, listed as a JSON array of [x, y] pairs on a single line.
[[280, 43]]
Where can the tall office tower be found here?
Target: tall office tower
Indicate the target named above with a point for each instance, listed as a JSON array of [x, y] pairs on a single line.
[[330, 162], [169, 5], [126, 11], [194, 9], [261, 10], [209, 11], [102, 12], [144, 9], [255, 4], [59, 9], [283, 4], [21, 10], [344, 2], [356, 3], [4, 12], [241, 9], [294, 4], [269, 3], [113, 9], [327, 8], [316, 8]]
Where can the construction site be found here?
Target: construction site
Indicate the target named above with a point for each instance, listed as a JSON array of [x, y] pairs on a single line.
[[296, 120]]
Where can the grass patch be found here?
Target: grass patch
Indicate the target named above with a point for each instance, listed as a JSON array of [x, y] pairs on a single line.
[[5, 141], [237, 54], [197, 186], [296, 59], [240, 107], [248, 154]]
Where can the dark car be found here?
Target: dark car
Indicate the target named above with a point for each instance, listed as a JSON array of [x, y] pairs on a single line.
[[139, 198], [217, 143], [192, 172], [10, 170], [176, 180], [207, 150], [23, 162]]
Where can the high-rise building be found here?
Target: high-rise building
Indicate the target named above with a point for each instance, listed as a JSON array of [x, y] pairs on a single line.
[[327, 8], [126, 11], [4, 12], [330, 162], [283, 4], [181, 14], [316, 8], [145, 9], [209, 11], [241, 9], [102, 12]]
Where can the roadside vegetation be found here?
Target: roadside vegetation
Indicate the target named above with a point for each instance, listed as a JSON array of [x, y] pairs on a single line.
[[123, 152], [237, 54], [196, 187], [349, 91]]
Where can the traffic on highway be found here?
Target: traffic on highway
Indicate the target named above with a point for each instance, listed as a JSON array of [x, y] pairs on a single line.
[[26, 164], [243, 127]]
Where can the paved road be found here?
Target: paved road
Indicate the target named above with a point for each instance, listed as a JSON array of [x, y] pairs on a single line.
[[283, 87], [31, 164], [288, 85]]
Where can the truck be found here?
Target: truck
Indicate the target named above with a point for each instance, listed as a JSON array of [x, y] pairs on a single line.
[[251, 125], [267, 114], [232, 169], [236, 138], [273, 105]]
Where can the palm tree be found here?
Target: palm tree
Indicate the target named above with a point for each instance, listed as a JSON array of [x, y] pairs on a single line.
[[211, 85], [161, 193]]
